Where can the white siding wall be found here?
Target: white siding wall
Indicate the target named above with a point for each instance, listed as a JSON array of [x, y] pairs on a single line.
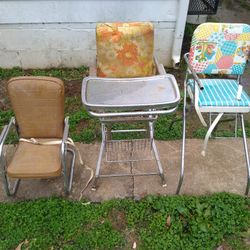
[[47, 33]]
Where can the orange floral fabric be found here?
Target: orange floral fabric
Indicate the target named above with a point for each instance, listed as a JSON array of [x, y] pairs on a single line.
[[125, 49]]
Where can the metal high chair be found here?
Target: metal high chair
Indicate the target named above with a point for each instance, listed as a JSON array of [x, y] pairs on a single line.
[[130, 86], [220, 49]]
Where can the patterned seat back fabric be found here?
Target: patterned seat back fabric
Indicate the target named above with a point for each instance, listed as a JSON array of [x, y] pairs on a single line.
[[220, 48], [125, 49]]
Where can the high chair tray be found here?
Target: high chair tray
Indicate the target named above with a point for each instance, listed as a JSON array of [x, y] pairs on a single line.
[[132, 94]]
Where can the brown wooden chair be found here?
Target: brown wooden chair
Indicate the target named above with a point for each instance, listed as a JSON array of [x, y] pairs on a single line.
[[38, 105]]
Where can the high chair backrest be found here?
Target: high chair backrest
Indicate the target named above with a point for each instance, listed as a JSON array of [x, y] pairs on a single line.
[[125, 49], [220, 48], [38, 104]]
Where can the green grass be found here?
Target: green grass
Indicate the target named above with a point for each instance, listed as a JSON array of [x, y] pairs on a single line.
[[63, 73], [84, 128], [166, 222]]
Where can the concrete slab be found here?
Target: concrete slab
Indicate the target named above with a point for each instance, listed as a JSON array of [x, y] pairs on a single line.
[[222, 169]]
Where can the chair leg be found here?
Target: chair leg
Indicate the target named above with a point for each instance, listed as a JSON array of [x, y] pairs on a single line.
[[68, 178], [99, 161], [236, 126], [156, 155], [8, 190], [246, 154], [72, 167], [183, 143], [210, 130]]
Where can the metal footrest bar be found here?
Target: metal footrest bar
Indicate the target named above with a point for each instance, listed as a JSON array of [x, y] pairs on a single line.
[[128, 130], [123, 175], [129, 119]]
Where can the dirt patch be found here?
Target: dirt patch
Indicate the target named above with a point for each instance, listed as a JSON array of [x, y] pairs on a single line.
[[73, 88], [118, 219], [84, 124], [119, 222]]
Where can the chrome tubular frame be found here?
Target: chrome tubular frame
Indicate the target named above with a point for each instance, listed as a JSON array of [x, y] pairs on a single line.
[[246, 154], [10, 191], [151, 119], [68, 177], [3, 163], [182, 165], [114, 113], [219, 112]]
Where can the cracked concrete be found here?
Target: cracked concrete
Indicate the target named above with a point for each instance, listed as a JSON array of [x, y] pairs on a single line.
[[223, 169]]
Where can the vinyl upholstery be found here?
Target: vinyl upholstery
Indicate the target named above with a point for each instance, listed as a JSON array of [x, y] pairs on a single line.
[[38, 104], [35, 161]]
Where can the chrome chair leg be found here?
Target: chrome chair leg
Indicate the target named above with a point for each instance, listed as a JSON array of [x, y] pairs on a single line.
[[68, 177], [72, 167], [158, 162], [99, 161], [156, 155], [246, 154], [183, 141], [236, 126], [210, 130], [8, 190]]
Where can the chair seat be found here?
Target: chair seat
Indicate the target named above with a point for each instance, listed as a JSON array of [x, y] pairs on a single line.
[[35, 161], [221, 93]]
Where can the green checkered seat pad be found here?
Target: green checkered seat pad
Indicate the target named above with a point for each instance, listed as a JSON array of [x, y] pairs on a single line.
[[221, 92]]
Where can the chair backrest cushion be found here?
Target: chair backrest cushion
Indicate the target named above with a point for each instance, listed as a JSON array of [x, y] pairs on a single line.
[[38, 104], [125, 49], [220, 48]]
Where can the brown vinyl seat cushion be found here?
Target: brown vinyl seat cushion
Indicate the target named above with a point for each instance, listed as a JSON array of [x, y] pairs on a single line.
[[38, 104], [35, 161]]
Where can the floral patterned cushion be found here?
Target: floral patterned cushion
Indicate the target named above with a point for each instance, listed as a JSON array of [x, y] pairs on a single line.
[[220, 48], [125, 49]]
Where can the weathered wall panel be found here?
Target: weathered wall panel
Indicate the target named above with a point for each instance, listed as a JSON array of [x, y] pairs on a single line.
[[46, 33]]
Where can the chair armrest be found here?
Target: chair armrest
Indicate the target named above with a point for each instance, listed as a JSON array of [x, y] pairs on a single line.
[[159, 67], [196, 78], [5, 133], [65, 136]]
